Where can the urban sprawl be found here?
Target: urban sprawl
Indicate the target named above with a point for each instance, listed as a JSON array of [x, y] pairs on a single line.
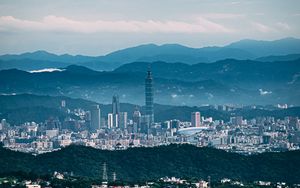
[[120, 130]]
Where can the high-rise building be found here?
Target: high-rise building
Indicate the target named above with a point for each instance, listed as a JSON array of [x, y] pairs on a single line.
[[195, 119], [63, 104], [115, 104], [95, 118], [115, 122], [123, 120], [110, 121], [149, 96], [103, 122], [3, 124], [115, 111], [145, 124], [136, 119]]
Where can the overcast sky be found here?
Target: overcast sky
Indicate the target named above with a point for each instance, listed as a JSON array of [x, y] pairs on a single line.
[[97, 27]]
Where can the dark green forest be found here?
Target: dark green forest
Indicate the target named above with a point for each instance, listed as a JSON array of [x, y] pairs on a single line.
[[144, 164]]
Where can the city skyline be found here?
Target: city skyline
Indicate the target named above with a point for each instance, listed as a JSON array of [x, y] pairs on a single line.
[[141, 94]]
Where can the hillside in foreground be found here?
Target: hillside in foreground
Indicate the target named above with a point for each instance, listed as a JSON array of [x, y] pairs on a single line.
[[142, 164]]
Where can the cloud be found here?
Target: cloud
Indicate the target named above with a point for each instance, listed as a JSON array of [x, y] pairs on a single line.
[[262, 27], [63, 24], [282, 25], [223, 16], [262, 92], [174, 96], [209, 96], [235, 2], [259, 14], [46, 70]]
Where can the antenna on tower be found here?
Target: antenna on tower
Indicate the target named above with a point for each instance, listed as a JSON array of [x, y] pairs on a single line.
[[114, 176], [149, 74], [104, 173]]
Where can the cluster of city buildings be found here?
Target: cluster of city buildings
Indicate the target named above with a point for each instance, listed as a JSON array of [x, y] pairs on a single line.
[[120, 130], [161, 182]]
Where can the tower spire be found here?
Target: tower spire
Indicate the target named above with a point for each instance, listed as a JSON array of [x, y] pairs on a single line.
[[149, 73]]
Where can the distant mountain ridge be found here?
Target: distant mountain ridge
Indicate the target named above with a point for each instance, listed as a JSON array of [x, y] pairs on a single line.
[[283, 46], [272, 58], [242, 50], [227, 81], [46, 56]]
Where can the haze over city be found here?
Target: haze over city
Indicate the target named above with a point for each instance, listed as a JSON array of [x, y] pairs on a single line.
[[140, 93]]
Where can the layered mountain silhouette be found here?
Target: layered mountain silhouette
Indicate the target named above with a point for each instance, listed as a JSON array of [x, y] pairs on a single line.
[[227, 81], [242, 50]]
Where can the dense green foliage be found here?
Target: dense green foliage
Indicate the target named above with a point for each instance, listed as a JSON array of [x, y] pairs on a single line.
[[142, 164]]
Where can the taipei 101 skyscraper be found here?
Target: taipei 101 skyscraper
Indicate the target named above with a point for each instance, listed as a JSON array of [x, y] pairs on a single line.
[[149, 94]]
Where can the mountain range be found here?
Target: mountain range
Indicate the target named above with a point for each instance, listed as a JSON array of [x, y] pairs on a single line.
[[227, 81], [247, 79], [242, 50]]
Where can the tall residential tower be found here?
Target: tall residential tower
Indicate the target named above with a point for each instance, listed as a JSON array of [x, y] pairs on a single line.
[[196, 119], [115, 104], [149, 96], [95, 118], [115, 111]]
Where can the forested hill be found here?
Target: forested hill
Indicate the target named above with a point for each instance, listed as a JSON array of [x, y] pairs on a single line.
[[142, 164]]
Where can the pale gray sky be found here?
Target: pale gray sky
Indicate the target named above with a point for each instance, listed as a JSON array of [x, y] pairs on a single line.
[[97, 27]]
